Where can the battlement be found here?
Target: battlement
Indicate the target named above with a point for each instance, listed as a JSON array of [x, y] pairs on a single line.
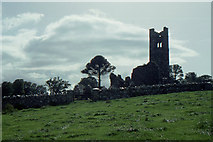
[[157, 39]]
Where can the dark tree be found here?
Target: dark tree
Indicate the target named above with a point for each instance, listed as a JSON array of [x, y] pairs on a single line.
[[41, 89], [87, 92], [34, 88], [85, 86], [30, 88], [127, 81], [57, 85], [205, 78], [176, 72], [18, 87], [91, 81], [98, 66], [7, 89], [191, 77], [27, 88]]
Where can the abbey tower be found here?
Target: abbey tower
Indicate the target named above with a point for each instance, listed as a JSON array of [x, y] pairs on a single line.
[[159, 51], [157, 70]]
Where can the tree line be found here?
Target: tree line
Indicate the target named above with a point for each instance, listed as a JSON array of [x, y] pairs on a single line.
[[177, 76], [97, 67], [21, 87]]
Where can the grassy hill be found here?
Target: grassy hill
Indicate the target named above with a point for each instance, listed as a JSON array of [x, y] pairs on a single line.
[[176, 116]]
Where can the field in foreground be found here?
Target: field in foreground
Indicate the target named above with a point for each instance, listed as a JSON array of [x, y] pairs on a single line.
[[176, 116]]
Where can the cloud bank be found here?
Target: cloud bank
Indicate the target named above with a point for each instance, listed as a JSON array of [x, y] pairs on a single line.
[[66, 45]]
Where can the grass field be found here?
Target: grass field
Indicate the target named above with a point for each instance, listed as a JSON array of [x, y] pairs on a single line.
[[176, 116]]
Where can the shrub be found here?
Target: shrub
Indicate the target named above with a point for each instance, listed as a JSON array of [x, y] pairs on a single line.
[[8, 108]]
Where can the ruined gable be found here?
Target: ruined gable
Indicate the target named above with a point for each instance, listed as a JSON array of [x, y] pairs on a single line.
[[146, 75]]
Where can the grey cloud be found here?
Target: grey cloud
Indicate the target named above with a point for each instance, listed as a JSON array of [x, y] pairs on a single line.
[[69, 43]]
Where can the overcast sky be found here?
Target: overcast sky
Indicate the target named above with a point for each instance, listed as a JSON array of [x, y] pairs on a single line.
[[43, 40]]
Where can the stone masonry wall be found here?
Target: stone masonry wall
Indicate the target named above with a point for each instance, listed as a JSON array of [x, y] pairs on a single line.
[[116, 93], [21, 102]]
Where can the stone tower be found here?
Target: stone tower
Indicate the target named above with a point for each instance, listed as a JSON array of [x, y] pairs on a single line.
[[159, 51], [157, 70]]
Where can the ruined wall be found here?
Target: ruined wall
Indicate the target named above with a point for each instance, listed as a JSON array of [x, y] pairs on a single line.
[[116, 80], [146, 74]]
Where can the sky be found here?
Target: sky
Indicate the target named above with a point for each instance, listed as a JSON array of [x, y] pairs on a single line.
[[47, 39]]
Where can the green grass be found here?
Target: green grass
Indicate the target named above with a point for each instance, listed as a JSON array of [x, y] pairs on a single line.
[[176, 116]]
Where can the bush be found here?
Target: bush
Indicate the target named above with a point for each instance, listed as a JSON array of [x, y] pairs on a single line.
[[19, 106], [8, 108]]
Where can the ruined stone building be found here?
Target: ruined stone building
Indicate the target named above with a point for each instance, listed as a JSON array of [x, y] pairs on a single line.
[[157, 70]]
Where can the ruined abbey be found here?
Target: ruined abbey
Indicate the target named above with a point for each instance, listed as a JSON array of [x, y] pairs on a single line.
[[157, 70]]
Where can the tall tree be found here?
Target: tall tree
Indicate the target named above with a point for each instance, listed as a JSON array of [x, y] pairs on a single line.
[[191, 77], [57, 85], [176, 72], [27, 88], [34, 88], [7, 88], [18, 87], [98, 66], [205, 78], [41, 89]]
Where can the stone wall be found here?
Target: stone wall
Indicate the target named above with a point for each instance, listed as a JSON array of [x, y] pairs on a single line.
[[116, 93], [21, 102]]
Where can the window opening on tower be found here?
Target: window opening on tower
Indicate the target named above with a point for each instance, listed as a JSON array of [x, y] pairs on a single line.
[[159, 45]]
